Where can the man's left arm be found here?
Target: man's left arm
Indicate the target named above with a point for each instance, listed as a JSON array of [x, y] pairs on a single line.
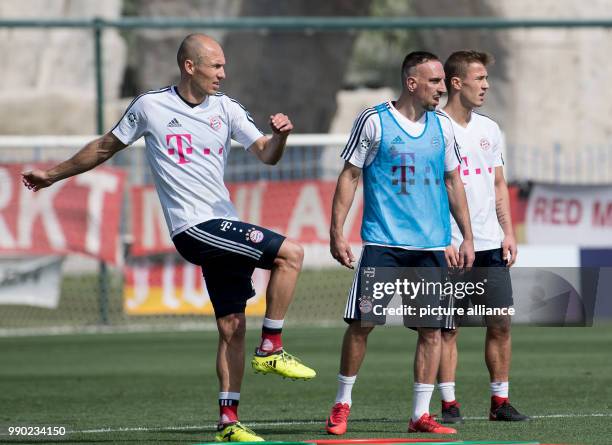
[[460, 211], [456, 197], [269, 149], [502, 208]]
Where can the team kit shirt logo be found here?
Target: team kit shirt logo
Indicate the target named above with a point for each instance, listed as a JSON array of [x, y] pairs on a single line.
[[481, 146], [187, 149], [132, 119], [215, 122], [485, 144]]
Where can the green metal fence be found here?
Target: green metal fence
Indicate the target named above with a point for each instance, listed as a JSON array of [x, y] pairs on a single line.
[[97, 25]]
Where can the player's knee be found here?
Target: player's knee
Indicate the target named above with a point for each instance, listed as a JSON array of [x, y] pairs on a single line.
[[356, 329], [450, 336], [498, 332], [290, 255], [430, 336], [498, 327], [232, 327]]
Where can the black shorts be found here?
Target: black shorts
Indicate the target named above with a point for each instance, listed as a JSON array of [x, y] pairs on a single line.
[[382, 256], [490, 269], [228, 252]]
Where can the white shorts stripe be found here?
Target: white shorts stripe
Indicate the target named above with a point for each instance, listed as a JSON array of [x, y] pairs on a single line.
[[226, 244], [353, 292], [226, 241], [221, 246]]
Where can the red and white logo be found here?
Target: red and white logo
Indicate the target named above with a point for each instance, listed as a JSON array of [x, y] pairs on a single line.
[[215, 122], [365, 306], [255, 236], [485, 144]]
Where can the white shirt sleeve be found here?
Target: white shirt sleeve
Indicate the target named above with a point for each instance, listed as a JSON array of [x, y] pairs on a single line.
[[452, 155], [133, 123], [364, 137], [242, 126], [498, 148]]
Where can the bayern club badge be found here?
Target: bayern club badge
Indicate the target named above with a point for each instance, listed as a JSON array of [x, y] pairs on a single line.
[[215, 122], [255, 236], [365, 306], [485, 144]]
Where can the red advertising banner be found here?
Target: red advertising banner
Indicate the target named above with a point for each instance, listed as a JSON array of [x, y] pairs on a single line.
[[570, 214], [80, 214], [297, 209]]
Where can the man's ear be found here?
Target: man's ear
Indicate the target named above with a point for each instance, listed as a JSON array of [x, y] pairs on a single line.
[[189, 66], [411, 84], [456, 83]]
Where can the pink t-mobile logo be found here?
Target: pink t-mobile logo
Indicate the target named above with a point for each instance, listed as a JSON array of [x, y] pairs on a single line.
[[404, 170], [182, 151], [466, 171]]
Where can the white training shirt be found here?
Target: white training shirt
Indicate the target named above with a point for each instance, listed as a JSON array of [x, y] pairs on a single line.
[[187, 150], [364, 142], [481, 146]]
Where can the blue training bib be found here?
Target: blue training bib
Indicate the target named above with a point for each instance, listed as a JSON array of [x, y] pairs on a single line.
[[405, 200]]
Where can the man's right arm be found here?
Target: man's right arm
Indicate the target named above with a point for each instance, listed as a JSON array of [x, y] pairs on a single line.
[[343, 198], [91, 155]]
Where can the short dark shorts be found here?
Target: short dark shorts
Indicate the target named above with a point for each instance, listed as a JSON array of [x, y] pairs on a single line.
[[228, 252], [491, 269], [382, 256]]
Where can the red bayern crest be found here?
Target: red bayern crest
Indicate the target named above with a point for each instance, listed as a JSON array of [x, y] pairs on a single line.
[[256, 236], [485, 144], [365, 306], [215, 122]]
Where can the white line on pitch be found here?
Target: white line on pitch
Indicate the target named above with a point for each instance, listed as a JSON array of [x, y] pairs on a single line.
[[297, 422]]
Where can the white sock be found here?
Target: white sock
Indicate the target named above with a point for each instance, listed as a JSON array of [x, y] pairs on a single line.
[[227, 398], [500, 389], [273, 324], [421, 396], [229, 395], [345, 388], [447, 391]]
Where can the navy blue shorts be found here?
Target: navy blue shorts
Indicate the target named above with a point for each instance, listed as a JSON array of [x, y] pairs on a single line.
[[489, 268], [382, 256], [228, 252]]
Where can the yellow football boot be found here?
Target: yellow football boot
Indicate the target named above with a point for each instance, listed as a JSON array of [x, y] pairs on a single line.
[[283, 364], [236, 432]]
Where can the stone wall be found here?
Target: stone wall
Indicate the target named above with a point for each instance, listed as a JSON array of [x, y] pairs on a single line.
[[558, 78], [47, 85], [152, 52]]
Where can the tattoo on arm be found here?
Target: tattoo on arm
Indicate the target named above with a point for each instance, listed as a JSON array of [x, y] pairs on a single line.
[[502, 214]]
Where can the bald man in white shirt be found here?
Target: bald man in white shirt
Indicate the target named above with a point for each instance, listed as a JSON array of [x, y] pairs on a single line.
[[188, 130]]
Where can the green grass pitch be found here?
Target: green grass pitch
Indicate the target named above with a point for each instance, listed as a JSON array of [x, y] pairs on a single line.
[[161, 387]]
